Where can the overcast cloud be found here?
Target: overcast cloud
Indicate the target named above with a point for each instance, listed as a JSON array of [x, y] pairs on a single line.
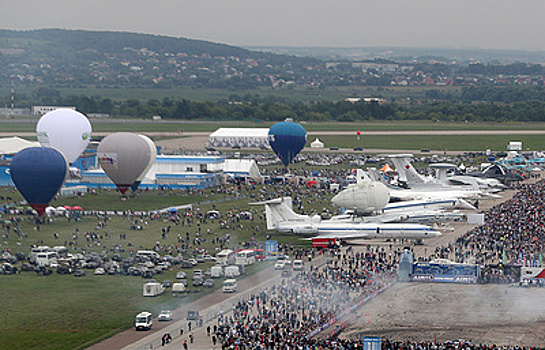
[[490, 24]]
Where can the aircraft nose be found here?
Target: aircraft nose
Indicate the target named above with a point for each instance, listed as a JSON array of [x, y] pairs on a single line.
[[338, 199]]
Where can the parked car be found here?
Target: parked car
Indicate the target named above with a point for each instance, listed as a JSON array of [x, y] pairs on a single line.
[[79, 273], [165, 315], [181, 275], [208, 283], [99, 271], [198, 281], [183, 281]]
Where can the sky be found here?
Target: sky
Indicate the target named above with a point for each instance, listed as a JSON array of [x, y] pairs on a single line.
[[486, 24]]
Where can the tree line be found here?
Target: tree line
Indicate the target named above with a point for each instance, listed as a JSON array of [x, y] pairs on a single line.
[[257, 108]]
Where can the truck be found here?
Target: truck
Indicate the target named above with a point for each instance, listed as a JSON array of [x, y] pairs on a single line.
[[153, 289], [322, 243]]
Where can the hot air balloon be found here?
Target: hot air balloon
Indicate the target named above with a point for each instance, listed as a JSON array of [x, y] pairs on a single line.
[[124, 156], [287, 139], [67, 130], [153, 149], [39, 173]]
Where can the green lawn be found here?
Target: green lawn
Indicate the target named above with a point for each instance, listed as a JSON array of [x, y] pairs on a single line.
[[64, 312], [478, 143]]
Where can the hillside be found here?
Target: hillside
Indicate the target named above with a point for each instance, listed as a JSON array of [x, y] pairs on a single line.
[[75, 58]]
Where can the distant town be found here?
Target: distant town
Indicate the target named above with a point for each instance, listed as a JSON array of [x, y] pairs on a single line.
[[60, 58]]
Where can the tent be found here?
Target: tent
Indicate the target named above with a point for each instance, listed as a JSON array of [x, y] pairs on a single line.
[[12, 145], [240, 137], [241, 168], [386, 168], [317, 144], [311, 183]]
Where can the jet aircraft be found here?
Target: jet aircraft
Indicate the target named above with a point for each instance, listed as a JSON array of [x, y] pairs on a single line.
[[282, 218]]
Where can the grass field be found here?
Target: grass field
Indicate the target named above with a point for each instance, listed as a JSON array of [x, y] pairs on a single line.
[[461, 143], [64, 312]]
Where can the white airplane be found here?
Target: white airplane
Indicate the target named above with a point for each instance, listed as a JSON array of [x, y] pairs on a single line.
[[484, 184], [420, 187], [282, 218], [369, 199]]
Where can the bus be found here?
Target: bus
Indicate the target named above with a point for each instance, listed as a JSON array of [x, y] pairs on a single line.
[[245, 257], [225, 257]]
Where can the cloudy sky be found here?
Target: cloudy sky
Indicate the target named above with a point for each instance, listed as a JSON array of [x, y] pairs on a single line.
[[491, 24]]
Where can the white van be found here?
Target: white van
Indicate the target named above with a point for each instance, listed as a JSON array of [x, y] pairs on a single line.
[[147, 254], [177, 289], [232, 271], [297, 265], [46, 259], [229, 286], [143, 321], [216, 271], [225, 257]]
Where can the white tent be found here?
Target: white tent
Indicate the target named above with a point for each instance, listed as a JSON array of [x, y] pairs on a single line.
[[241, 167], [240, 137], [317, 144], [12, 145]]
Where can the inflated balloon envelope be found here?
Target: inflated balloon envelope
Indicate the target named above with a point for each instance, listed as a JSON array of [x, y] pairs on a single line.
[[39, 173], [287, 139], [65, 129], [153, 149], [124, 156]]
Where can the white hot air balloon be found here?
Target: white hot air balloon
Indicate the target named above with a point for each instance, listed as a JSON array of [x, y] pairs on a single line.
[[139, 179], [124, 156], [66, 130]]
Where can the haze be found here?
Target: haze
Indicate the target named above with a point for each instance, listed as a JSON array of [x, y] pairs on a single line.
[[488, 24]]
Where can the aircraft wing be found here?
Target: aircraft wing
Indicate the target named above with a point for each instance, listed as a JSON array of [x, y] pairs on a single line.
[[344, 235], [422, 216]]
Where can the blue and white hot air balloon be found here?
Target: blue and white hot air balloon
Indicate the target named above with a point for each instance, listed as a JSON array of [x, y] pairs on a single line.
[[287, 139]]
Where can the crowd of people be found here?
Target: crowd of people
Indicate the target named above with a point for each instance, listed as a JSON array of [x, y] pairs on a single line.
[[512, 236], [288, 315]]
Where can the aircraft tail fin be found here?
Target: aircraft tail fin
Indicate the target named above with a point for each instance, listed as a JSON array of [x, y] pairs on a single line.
[[279, 211], [407, 173], [362, 176]]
